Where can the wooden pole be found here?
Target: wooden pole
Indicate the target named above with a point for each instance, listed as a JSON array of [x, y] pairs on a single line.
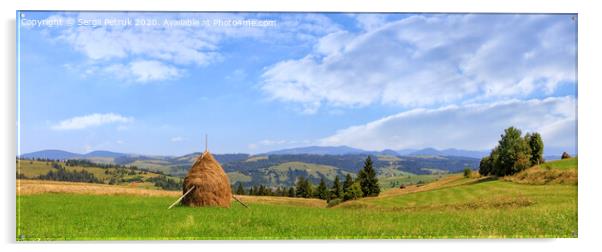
[[239, 201], [180, 199]]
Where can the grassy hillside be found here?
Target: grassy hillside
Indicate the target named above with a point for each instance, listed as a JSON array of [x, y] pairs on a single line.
[[411, 179], [564, 164], [452, 206], [556, 172], [312, 170], [33, 169]]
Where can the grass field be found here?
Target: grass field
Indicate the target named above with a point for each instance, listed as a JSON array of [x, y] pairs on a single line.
[[410, 179], [450, 207], [564, 164]]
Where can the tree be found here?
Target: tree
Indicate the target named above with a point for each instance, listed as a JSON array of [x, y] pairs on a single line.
[[240, 190], [354, 192], [300, 187], [536, 144], [486, 166], [565, 155], [291, 192], [347, 183], [368, 180], [322, 190], [514, 153], [303, 188], [336, 191]]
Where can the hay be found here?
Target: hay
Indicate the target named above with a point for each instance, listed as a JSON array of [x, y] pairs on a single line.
[[212, 187]]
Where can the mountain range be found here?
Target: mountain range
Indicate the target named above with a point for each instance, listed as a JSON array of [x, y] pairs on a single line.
[[346, 150], [309, 150]]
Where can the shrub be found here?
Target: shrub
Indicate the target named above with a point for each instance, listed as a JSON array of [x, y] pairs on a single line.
[[467, 172], [334, 202]]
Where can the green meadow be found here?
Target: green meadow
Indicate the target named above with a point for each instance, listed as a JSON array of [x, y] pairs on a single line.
[[458, 208]]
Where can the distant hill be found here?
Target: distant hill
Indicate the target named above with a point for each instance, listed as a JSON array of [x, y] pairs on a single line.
[[346, 150], [60, 154], [426, 152], [104, 154], [319, 150], [448, 152], [52, 154], [389, 152]]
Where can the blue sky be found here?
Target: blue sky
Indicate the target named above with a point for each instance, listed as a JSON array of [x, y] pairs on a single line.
[[370, 81]]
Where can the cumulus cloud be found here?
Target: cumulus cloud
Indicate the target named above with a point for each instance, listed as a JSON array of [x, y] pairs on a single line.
[[178, 47], [92, 120], [472, 126], [429, 60]]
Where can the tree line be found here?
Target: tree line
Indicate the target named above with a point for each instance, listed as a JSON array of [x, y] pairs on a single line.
[[364, 185]]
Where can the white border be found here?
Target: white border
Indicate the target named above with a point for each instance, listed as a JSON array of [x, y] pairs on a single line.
[[590, 211]]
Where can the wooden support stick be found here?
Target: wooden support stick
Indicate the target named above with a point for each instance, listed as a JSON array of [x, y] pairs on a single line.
[[180, 199], [239, 201]]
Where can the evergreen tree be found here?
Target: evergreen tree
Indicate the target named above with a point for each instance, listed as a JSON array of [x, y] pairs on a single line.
[[301, 188], [309, 189], [322, 190], [347, 183], [291, 192], [368, 180], [240, 190], [336, 191]]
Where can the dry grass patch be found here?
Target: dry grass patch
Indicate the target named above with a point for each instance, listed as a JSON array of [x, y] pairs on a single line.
[[273, 200], [541, 176], [28, 187], [444, 182]]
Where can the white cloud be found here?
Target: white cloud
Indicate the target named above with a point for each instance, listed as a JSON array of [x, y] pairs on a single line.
[[177, 139], [142, 71], [370, 21], [473, 126], [176, 47], [435, 60], [92, 120]]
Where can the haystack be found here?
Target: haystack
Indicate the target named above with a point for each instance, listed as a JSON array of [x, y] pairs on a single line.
[[211, 184]]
